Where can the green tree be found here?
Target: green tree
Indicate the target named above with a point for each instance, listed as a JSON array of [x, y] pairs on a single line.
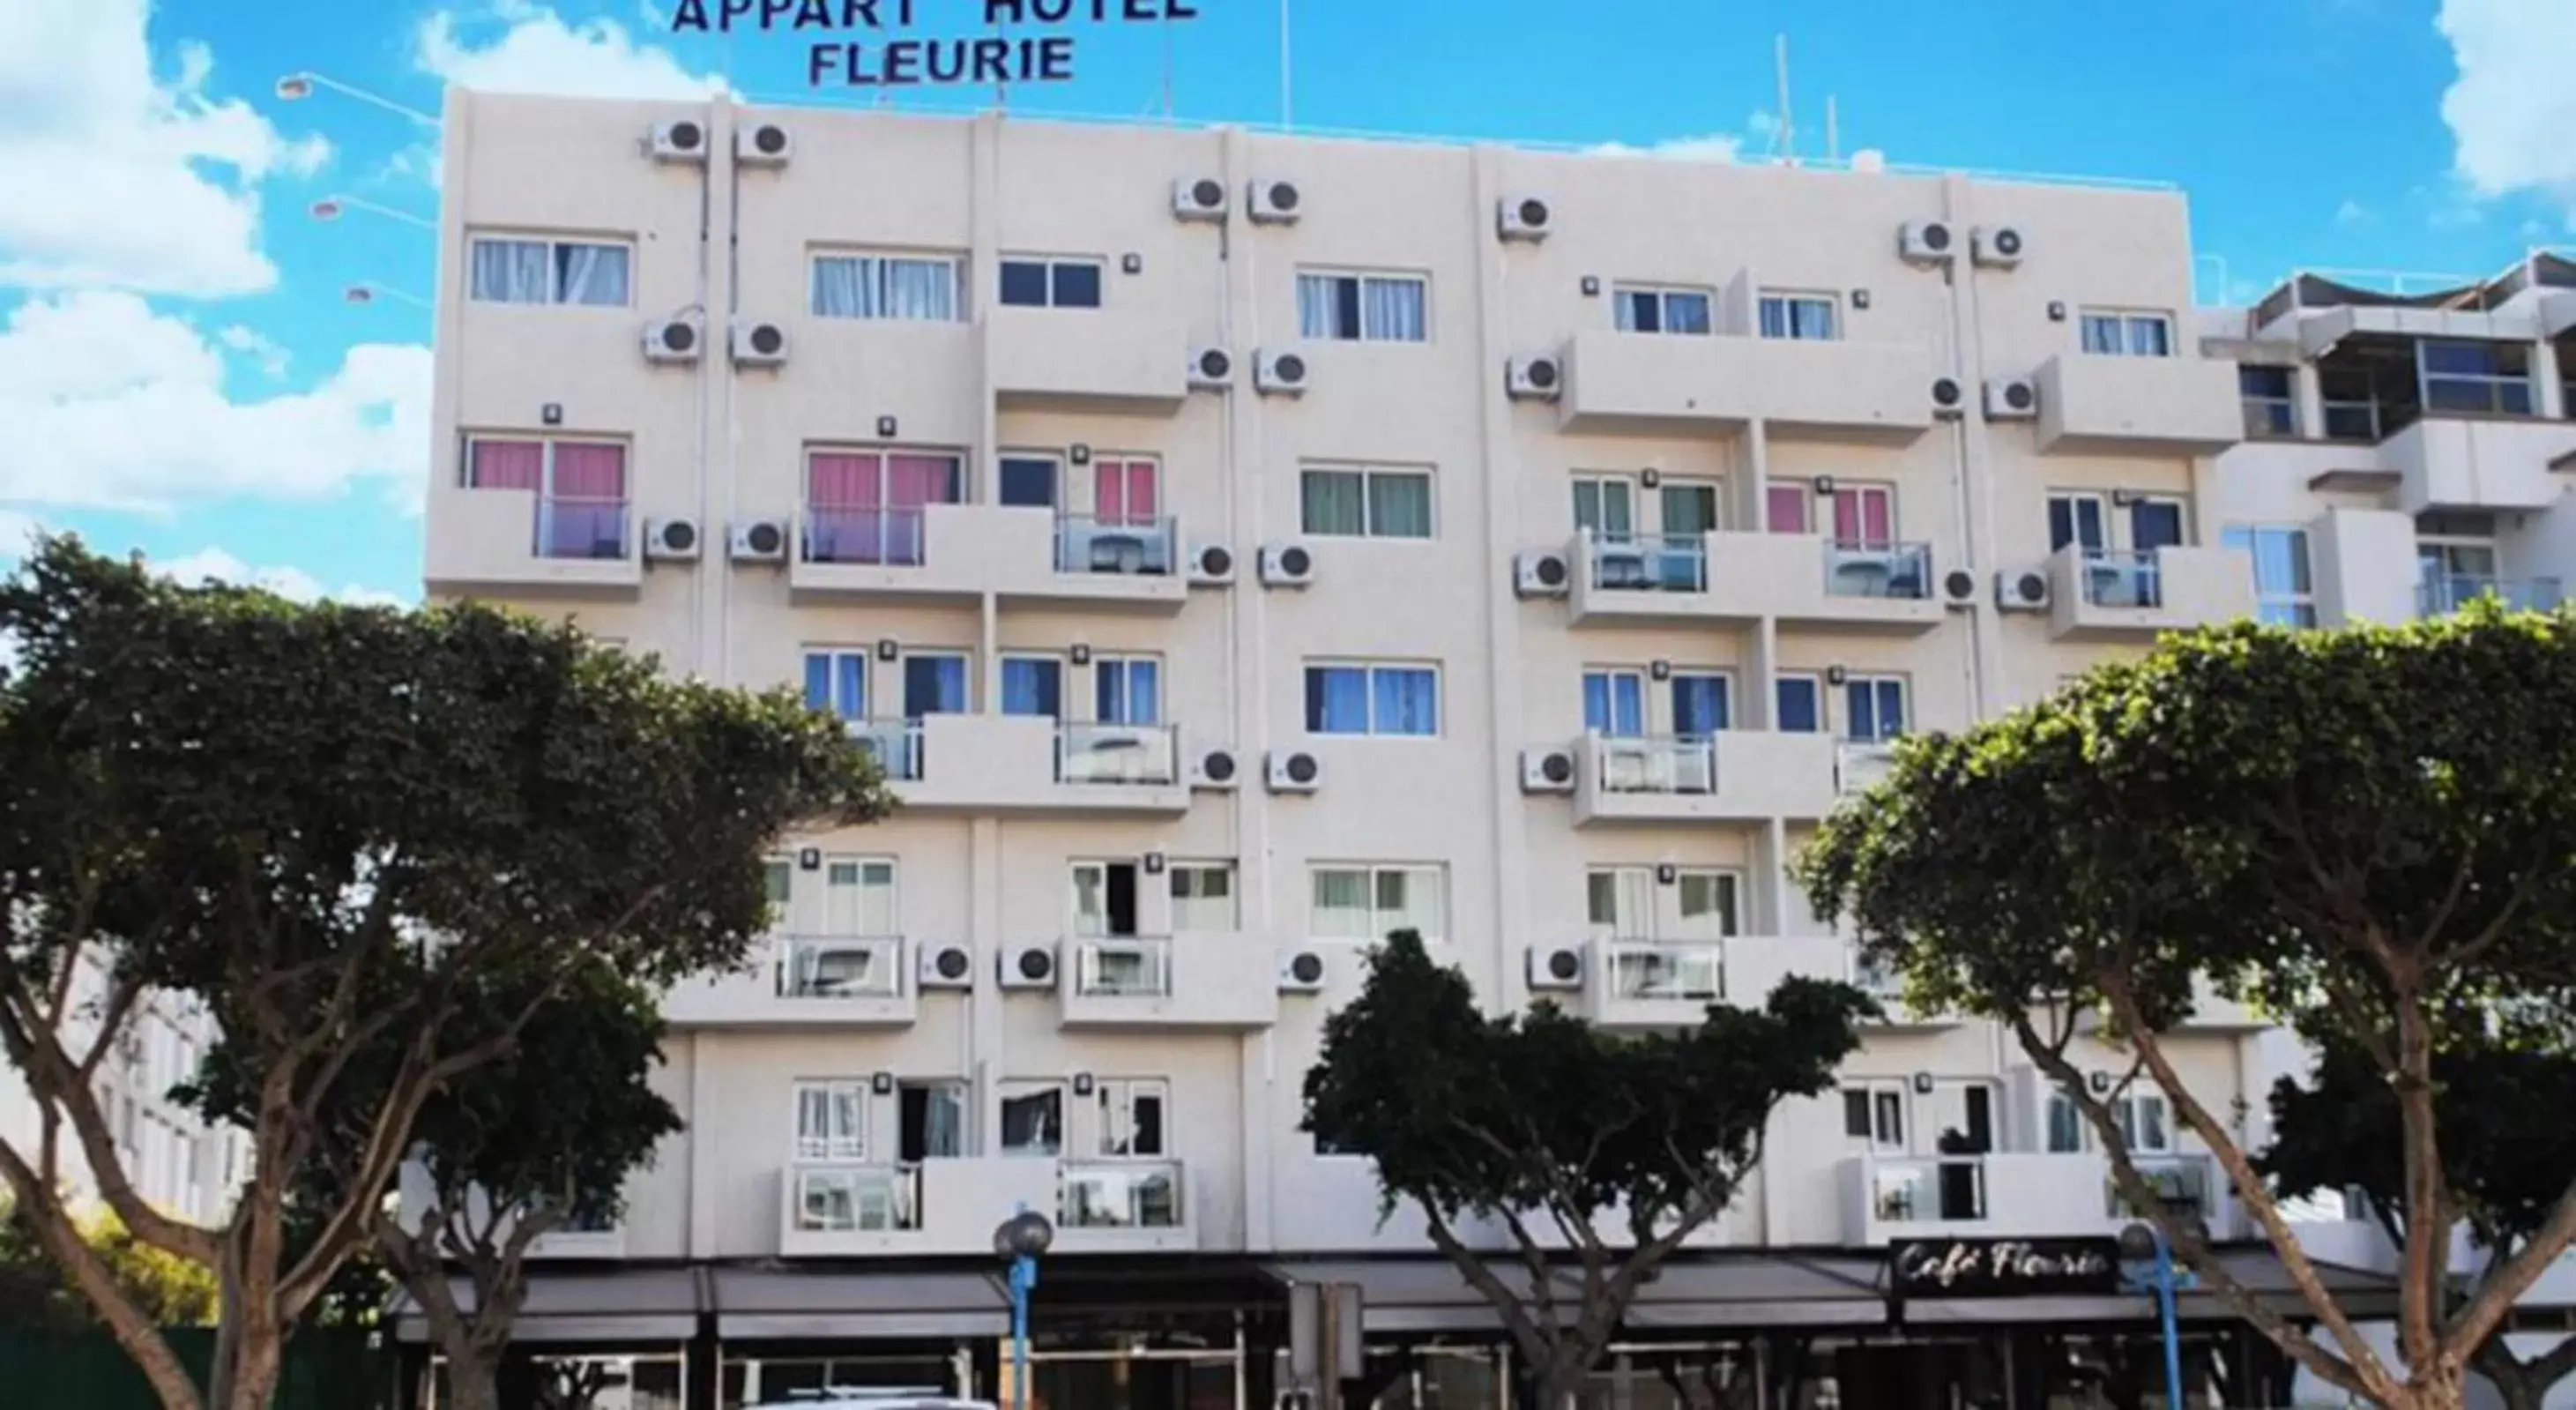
[[2505, 1169], [2363, 833], [170, 1290], [327, 823], [1544, 1123]]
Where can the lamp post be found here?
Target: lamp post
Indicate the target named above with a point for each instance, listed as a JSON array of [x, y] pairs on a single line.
[[296, 87], [2145, 1244], [361, 295], [1018, 1241], [331, 208]]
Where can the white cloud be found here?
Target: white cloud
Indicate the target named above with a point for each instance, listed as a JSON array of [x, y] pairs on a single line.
[[295, 584], [535, 50], [2353, 212], [112, 405], [2512, 107], [261, 349], [147, 183], [1706, 147]]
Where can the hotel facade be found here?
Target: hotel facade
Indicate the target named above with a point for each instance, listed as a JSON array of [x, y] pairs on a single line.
[[1239, 546]]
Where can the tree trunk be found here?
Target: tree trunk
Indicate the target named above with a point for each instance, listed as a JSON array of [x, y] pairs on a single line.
[[2517, 1392], [473, 1381], [248, 1380]]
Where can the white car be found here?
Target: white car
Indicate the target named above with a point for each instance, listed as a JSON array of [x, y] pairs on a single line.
[[873, 1398]]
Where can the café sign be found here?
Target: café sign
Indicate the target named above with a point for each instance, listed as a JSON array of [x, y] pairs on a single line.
[[2002, 1267], [873, 43]]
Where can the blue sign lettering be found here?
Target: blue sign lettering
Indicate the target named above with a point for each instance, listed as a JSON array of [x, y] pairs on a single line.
[[895, 59]]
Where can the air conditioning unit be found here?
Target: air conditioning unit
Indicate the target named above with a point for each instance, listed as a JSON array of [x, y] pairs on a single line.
[[1959, 588], [1211, 369], [1540, 574], [2025, 591], [1275, 202], [1547, 771], [762, 144], [1215, 769], [1523, 217], [2011, 399], [1995, 246], [1948, 397], [1279, 373], [760, 541], [681, 140], [1211, 565], [1301, 972], [1926, 242], [1295, 771], [1287, 565], [1555, 967], [759, 344], [671, 540], [1028, 967], [674, 340], [1535, 378], [946, 967], [1198, 198]]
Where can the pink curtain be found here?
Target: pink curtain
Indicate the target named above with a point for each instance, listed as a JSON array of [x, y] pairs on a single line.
[[844, 508], [583, 515], [1786, 508], [915, 480], [506, 465], [1863, 517], [589, 472], [842, 481], [1126, 491]]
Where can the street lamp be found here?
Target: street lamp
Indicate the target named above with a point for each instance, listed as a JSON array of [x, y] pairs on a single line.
[[1018, 1241], [331, 208], [2143, 1244], [296, 87], [362, 295]]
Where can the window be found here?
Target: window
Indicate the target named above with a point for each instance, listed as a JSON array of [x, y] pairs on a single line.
[[1864, 516], [1104, 900], [2143, 1121], [1132, 1112], [859, 897], [2489, 378], [1643, 309], [1127, 690], [1798, 704], [580, 488], [1806, 317], [1708, 903], [2120, 332], [918, 287], [1875, 1113], [1379, 700], [1203, 897], [1785, 508], [836, 681], [1029, 480], [2271, 402], [2349, 398], [1127, 491], [1369, 308], [778, 881], [1366, 502], [2077, 519], [1051, 283], [868, 505], [934, 683], [2065, 1125], [1614, 703], [1032, 1118], [1700, 703], [932, 1119], [1369, 902], [1033, 685], [1605, 506], [537, 271], [1690, 508], [1873, 708], [2155, 521], [832, 1119], [1620, 902], [2283, 591]]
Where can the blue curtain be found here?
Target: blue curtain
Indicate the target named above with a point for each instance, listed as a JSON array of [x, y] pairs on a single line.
[[1032, 686], [1875, 709], [1128, 692], [818, 680], [1797, 706], [1408, 701], [1337, 700], [1699, 705], [934, 685], [1613, 704], [837, 681]]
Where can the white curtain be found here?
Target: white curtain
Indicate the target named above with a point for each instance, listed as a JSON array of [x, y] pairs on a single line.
[[1315, 305], [868, 286], [591, 274], [510, 271], [1341, 906], [1391, 310], [1399, 506], [920, 288], [1333, 504], [839, 288]]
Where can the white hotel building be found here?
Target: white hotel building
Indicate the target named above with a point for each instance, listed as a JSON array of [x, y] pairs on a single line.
[[1239, 546]]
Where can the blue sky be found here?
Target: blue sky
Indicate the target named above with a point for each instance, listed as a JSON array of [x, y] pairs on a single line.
[[181, 373]]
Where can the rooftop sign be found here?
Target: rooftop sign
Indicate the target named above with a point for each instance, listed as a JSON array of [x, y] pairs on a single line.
[[871, 43]]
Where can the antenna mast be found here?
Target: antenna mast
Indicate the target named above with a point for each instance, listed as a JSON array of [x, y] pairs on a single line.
[[1788, 130], [1833, 132]]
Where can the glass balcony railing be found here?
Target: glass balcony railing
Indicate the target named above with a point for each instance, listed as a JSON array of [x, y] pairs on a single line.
[[1129, 754], [1142, 1194], [1667, 969], [2123, 579], [1928, 1190], [1898, 571], [2441, 595], [572, 526], [849, 1199], [1086, 543], [1642, 765], [840, 967], [1859, 764], [1128, 966], [2185, 1183], [1649, 562], [865, 536], [894, 744]]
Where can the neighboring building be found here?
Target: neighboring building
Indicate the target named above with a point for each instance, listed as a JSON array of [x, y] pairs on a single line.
[[1240, 546]]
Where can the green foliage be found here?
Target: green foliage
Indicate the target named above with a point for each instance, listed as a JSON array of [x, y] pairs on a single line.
[[34, 1295]]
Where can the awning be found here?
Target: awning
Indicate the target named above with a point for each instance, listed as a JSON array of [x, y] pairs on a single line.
[[585, 1305], [821, 1303], [1714, 1290], [2365, 1295]]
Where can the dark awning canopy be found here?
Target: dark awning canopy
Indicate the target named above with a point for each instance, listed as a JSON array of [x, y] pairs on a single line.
[[1717, 1290]]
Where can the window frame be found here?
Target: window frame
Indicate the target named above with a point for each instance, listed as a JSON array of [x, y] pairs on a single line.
[[804, 1150], [1368, 476], [1878, 1098], [1877, 680], [1226, 868], [554, 265], [862, 863], [1370, 669], [1788, 301], [1601, 483], [1109, 1092], [2295, 608], [1053, 265], [1628, 880], [1623, 320], [835, 657], [1371, 873], [1814, 681], [1362, 278], [1008, 1088], [956, 261], [1612, 678], [2279, 420], [2495, 384], [1728, 884], [545, 489], [2129, 322], [1126, 664]]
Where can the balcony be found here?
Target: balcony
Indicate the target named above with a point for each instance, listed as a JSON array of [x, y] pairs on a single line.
[[2443, 595], [1034, 764], [1086, 360], [1732, 775], [1655, 384], [2098, 595], [1861, 765], [1159, 983], [1648, 983], [2461, 463], [949, 1206], [942, 553], [2139, 405], [854, 981], [1806, 579], [2022, 1195], [514, 542]]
